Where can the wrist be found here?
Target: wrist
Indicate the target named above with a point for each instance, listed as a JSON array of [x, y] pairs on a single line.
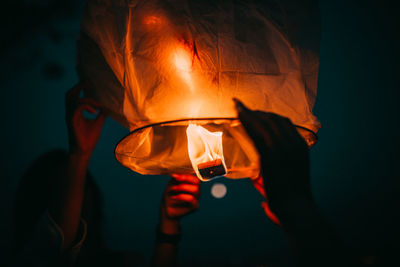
[[80, 154], [167, 238], [169, 226]]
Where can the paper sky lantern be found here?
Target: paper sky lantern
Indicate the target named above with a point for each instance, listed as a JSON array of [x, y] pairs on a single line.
[[168, 71]]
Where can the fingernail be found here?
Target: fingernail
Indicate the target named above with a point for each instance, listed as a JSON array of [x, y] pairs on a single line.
[[239, 105]]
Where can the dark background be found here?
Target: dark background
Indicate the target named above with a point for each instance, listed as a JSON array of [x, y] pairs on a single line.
[[354, 164]]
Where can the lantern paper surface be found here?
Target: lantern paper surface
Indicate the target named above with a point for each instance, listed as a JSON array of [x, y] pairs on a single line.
[[164, 68]]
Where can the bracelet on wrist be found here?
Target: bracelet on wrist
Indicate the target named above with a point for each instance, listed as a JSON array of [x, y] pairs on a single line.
[[172, 239]]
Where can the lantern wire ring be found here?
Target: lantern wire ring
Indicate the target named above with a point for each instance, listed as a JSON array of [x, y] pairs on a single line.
[[202, 119]]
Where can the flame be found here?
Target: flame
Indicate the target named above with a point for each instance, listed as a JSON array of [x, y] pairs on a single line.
[[204, 147], [205, 152]]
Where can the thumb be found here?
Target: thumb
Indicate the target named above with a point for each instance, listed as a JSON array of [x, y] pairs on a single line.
[[270, 214]]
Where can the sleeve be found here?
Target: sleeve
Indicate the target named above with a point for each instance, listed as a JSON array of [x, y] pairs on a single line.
[[45, 246]]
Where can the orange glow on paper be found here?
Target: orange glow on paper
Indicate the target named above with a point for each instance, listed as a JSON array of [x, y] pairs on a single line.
[[182, 61], [152, 20], [204, 147], [160, 67]]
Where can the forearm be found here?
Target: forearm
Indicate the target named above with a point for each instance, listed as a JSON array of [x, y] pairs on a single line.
[[165, 255], [166, 250], [67, 205]]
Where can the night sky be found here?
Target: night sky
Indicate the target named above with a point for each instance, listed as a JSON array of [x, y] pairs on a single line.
[[354, 164]]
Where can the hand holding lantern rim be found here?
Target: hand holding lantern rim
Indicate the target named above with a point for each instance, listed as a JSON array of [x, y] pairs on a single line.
[[83, 133], [284, 156], [285, 184]]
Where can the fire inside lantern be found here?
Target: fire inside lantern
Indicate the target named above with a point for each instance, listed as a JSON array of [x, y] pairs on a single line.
[[205, 152], [204, 147]]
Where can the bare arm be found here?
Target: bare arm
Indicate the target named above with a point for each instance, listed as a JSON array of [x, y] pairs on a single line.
[[83, 136], [181, 197], [286, 185]]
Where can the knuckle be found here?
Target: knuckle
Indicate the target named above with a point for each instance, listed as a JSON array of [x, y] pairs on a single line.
[[190, 198]]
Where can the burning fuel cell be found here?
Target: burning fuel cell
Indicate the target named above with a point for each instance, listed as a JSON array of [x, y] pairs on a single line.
[[205, 152], [211, 169]]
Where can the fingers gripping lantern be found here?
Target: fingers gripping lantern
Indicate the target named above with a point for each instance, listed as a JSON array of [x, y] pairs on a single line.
[[168, 71]]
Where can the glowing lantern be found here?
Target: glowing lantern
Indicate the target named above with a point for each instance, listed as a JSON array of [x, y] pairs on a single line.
[[168, 71]]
